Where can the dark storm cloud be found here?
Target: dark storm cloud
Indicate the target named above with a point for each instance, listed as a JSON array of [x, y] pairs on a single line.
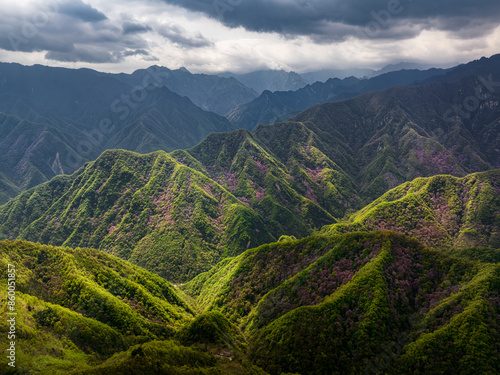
[[71, 31], [338, 19], [78, 9]]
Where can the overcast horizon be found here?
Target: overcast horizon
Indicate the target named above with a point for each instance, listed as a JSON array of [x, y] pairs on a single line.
[[240, 36]]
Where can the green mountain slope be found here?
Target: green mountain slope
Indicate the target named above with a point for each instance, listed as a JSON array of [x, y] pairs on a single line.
[[150, 209], [162, 214], [82, 311], [37, 151], [359, 303], [179, 214], [441, 211], [82, 305]]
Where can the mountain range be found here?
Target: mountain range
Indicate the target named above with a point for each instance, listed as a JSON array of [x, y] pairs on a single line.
[[271, 107], [178, 214], [50, 128], [54, 120], [270, 80], [361, 234]]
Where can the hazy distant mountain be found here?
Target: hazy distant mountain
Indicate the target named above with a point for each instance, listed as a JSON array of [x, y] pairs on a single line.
[[54, 120], [210, 92], [326, 74], [39, 93], [164, 121], [270, 107], [402, 66], [271, 80], [33, 153]]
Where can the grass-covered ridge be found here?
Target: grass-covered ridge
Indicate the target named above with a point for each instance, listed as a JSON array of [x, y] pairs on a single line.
[[178, 214], [82, 311], [82, 305], [359, 302], [166, 212], [442, 211]]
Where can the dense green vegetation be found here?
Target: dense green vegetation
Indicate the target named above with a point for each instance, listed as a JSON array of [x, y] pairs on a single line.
[[362, 302], [285, 271], [164, 213], [82, 305], [82, 311], [179, 214], [442, 211], [359, 303]]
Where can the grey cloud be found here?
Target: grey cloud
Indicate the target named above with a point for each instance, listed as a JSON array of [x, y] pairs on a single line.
[[135, 28], [338, 19], [136, 52], [69, 39], [85, 55], [82, 11], [178, 35]]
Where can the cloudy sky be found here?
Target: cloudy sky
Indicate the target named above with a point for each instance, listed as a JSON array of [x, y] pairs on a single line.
[[213, 36]]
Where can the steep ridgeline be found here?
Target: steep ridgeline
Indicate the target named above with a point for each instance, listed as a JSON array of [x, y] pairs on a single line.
[[164, 121], [270, 108], [271, 80], [32, 153], [442, 211], [250, 188], [81, 94], [359, 303], [166, 216], [374, 142], [210, 92], [53, 120], [81, 311]]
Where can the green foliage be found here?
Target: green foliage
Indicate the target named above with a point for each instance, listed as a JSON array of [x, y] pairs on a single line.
[[157, 357], [212, 328], [76, 307], [440, 211], [356, 303]]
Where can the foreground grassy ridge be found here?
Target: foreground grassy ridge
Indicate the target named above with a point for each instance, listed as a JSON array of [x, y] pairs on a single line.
[[363, 302], [354, 303], [82, 305], [82, 311], [442, 211]]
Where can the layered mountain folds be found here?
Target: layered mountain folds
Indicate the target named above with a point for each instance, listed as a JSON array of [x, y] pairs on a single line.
[[177, 214]]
